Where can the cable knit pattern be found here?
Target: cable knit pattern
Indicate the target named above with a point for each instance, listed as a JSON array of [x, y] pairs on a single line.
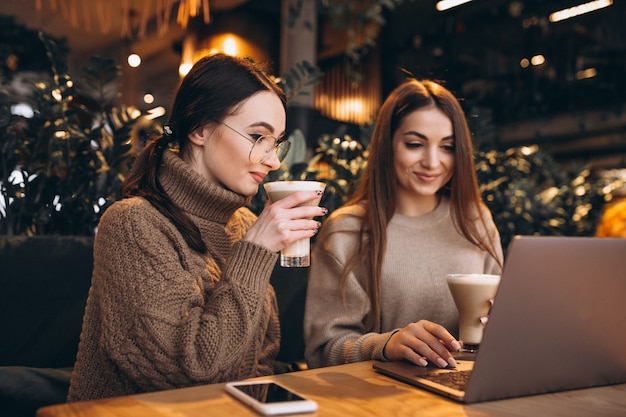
[[161, 316], [420, 252]]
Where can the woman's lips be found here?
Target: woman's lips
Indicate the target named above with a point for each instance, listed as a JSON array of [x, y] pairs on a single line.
[[427, 177], [258, 176]]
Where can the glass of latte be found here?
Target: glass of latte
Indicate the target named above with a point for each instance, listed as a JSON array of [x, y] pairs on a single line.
[[298, 253], [473, 295]]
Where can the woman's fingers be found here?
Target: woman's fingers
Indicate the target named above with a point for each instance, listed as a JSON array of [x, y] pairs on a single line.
[[423, 342], [286, 221]]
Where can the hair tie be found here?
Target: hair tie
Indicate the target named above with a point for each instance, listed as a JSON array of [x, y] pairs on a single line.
[[168, 133], [165, 140]]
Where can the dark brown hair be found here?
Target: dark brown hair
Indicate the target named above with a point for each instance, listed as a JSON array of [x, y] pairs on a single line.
[[207, 94]]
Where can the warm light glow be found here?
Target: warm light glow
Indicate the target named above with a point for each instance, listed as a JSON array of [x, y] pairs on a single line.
[[188, 9], [230, 46], [586, 73], [350, 106], [56, 94], [134, 112], [134, 60], [524, 63], [349, 102], [448, 4], [226, 43], [148, 98], [537, 60], [155, 112], [184, 68], [580, 9]]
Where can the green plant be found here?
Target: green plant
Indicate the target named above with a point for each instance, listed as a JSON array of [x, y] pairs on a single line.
[[62, 167], [528, 193]]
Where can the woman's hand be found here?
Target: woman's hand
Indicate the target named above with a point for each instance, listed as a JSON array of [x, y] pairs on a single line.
[[285, 221], [422, 342]]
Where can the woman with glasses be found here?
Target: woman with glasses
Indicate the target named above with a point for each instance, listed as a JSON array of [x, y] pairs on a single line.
[[377, 285], [180, 292]]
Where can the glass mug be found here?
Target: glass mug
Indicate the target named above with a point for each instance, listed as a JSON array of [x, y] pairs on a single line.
[[298, 254], [472, 294]]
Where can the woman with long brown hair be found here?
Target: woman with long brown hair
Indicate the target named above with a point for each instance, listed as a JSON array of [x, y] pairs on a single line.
[[180, 292], [377, 286]]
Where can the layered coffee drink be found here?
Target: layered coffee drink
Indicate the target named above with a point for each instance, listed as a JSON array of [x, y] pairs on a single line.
[[472, 294], [298, 253]]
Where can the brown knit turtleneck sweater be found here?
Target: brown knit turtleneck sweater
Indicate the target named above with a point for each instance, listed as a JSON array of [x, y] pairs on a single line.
[[161, 316]]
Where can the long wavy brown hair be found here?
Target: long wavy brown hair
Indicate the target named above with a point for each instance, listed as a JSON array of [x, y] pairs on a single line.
[[377, 189]]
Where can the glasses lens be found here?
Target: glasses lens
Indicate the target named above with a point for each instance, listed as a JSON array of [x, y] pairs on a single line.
[[265, 145], [282, 149]]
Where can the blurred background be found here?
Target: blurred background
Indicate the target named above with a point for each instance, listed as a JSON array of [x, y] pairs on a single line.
[[542, 83], [529, 79]]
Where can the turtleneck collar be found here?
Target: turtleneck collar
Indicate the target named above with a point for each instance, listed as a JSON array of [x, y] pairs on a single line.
[[194, 194]]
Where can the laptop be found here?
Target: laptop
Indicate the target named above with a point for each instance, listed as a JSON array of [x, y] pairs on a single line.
[[558, 323]]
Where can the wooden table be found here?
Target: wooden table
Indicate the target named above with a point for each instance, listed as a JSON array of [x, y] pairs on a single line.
[[349, 390]]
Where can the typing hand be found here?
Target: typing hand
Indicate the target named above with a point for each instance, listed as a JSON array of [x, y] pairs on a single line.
[[422, 342]]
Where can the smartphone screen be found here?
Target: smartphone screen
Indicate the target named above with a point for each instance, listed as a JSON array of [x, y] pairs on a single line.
[[269, 393], [270, 398]]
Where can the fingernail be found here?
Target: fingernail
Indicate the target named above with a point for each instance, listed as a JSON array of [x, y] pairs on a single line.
[[319, 224], [451, 362], [324, 211], [422, 362], [442, 363], [319, 192], [456, 346]]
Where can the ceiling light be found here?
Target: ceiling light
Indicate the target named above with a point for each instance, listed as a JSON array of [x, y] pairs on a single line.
[[134, 60], [580, 9], [537, 60], [448, 4]]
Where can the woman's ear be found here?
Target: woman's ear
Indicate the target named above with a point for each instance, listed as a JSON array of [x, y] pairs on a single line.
[[198, 136]]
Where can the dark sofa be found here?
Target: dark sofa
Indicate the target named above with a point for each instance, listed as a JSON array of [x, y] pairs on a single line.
[[44, 282]]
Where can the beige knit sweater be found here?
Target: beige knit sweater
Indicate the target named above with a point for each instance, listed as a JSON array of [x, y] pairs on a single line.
[[161, 316], [420, 252]]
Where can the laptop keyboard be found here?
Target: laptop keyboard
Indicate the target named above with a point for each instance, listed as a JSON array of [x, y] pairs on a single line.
[[453, 379]]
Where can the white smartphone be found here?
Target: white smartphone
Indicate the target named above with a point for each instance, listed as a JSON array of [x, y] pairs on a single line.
[[269, 398]]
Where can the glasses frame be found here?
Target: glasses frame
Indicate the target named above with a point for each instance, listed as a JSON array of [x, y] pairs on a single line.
[[279, 145]]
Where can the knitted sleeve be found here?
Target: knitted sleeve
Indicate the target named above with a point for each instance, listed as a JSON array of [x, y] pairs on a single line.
[[167, 320], [338, 329]]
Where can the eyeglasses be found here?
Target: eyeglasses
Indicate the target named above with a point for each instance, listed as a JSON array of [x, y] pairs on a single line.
[[263, 145]]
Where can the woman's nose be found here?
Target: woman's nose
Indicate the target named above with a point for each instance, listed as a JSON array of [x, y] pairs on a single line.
[[431, 157], [271, 160]]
